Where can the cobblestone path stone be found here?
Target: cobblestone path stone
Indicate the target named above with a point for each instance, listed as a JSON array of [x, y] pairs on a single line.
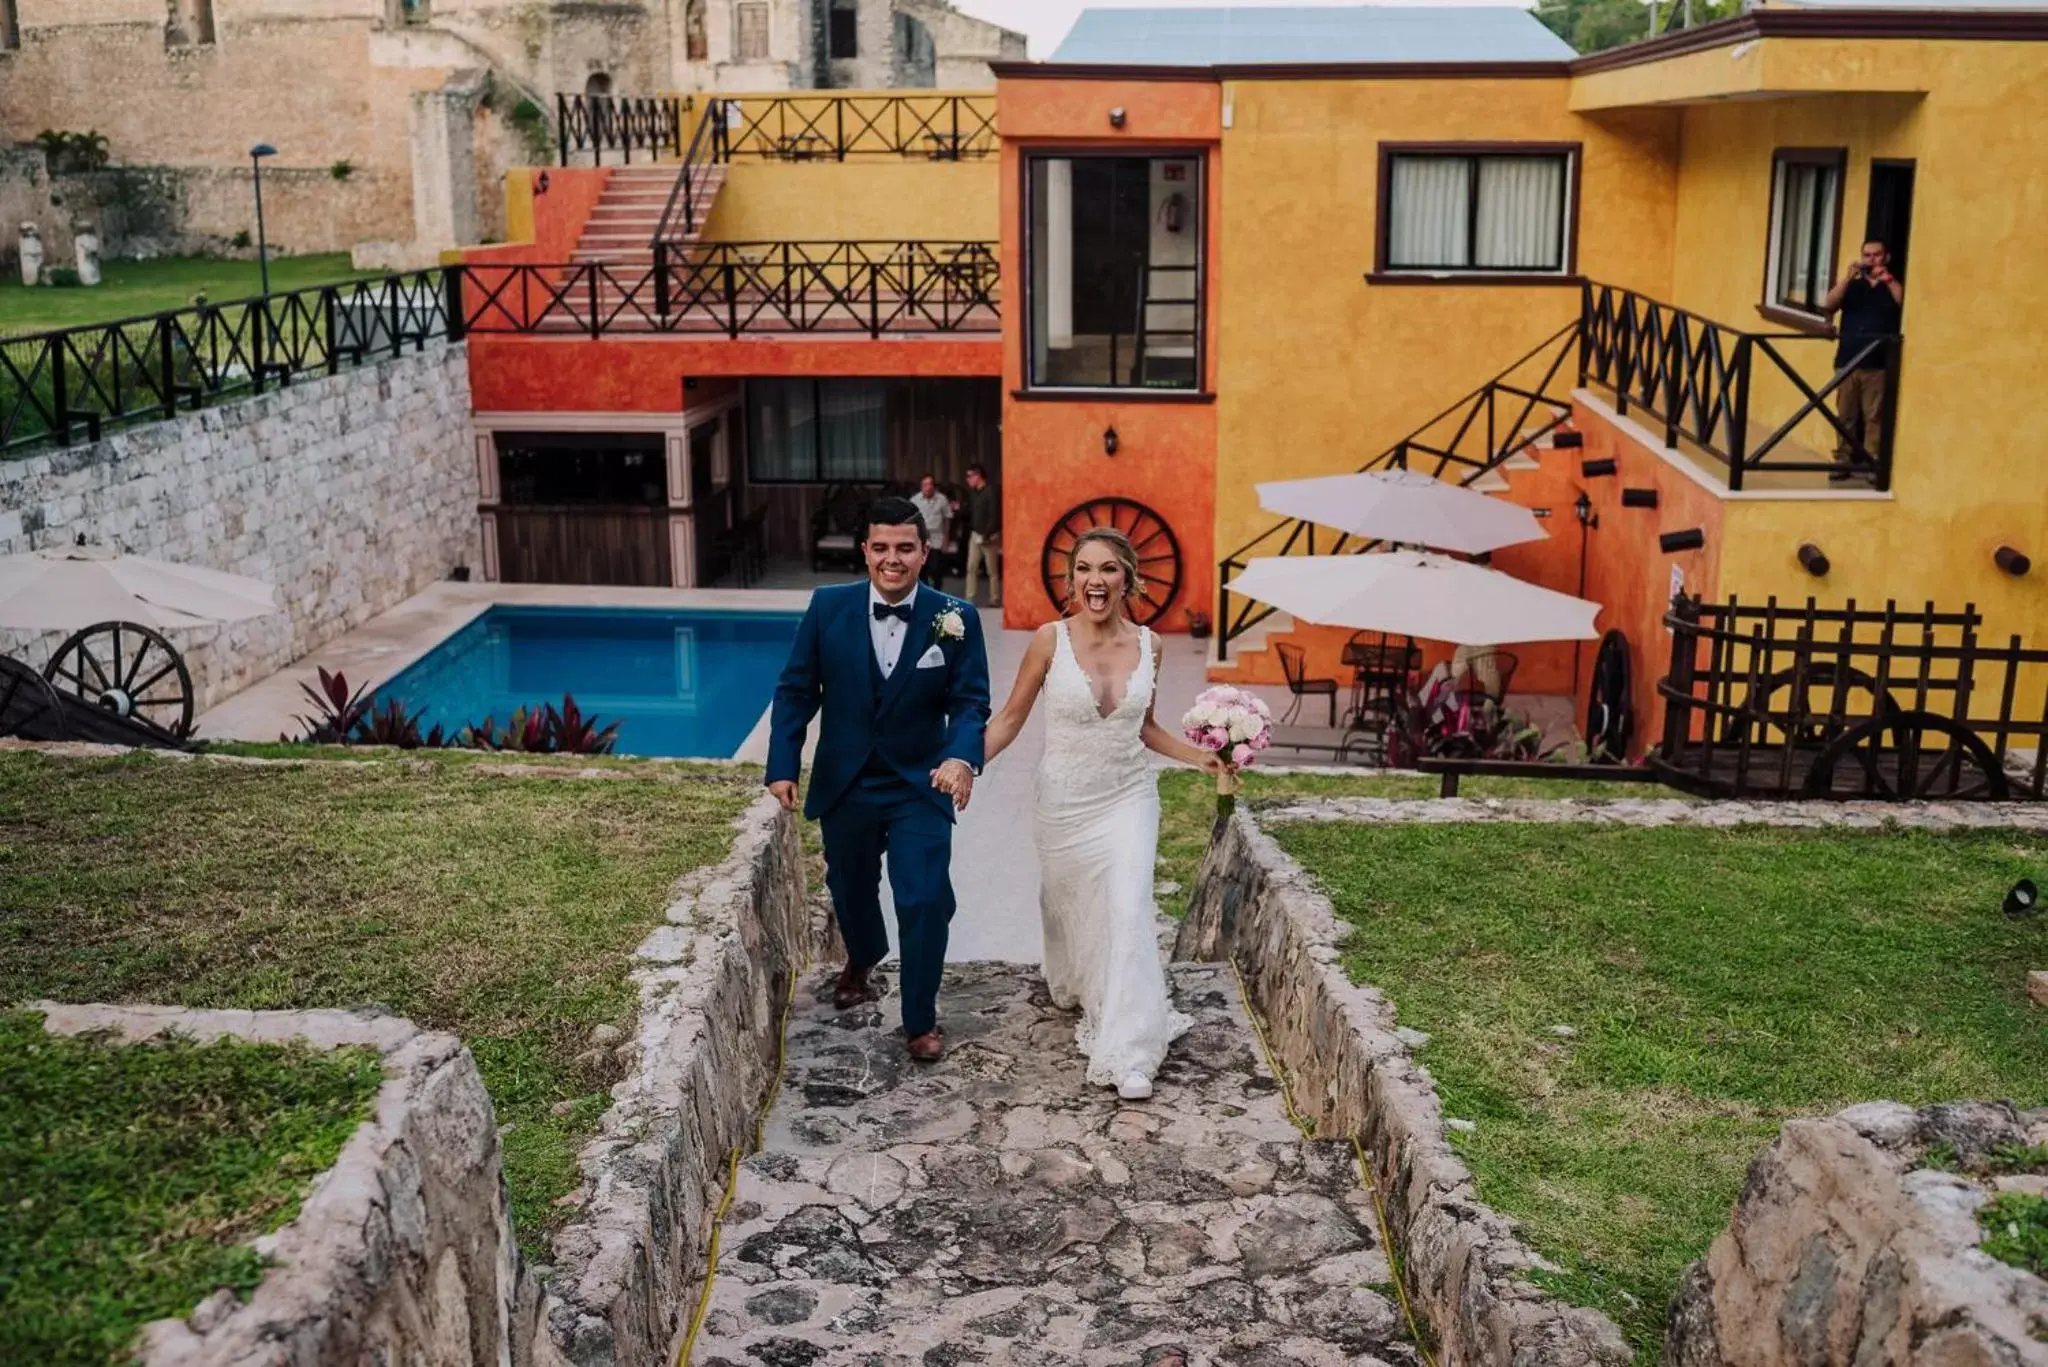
[[994, 1209]]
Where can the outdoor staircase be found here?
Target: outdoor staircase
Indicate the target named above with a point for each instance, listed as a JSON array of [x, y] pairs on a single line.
[[621, 229]]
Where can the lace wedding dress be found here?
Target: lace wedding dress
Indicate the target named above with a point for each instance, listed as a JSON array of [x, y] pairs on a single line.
[[1098, 839]]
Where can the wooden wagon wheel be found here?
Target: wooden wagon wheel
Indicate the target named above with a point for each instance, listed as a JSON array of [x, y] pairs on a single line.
[[129, 670], [1800, 722], [1159, 564], [29, 707], [1931, 757]]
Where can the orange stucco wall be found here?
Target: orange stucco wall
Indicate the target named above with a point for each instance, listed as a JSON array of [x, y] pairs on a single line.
[[1053, 456], [1626, 572], [645, 375]]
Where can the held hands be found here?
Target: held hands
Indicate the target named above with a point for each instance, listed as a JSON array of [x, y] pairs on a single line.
[[955, 779]]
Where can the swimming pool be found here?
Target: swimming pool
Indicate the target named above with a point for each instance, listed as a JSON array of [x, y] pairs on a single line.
[[680, 684]]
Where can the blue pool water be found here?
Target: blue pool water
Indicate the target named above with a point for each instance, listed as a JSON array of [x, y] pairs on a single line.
[[680, 684]]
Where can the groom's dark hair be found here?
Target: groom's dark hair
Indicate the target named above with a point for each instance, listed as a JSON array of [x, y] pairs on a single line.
[[893, 512]]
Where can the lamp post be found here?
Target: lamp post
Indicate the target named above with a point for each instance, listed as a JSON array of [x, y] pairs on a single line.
[[256, 156]]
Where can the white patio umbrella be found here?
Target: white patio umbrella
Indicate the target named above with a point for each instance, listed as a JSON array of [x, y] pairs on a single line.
[[68, 588], [1406, 507], [1413, 593]]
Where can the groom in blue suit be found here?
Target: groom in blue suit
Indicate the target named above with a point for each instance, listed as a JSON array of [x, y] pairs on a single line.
[[901, 674]]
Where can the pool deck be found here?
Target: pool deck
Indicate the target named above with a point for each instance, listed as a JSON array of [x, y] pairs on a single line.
[[995, 869]]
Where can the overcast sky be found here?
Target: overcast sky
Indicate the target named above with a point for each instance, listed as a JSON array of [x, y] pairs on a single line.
[[1046, 22]]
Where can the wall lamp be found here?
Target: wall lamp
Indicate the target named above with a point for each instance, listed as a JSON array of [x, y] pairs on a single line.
[[1638, 498], [1116, 117], [540, 183], [1691, 539], [2014, 563], [1593, 469], [1813, 559], [1109, 441], [1583, 510]]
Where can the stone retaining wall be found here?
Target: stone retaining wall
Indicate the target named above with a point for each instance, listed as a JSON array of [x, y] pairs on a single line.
[[1353, 1075], [713, 985], [1844, 1249], [349, 492], [402, 1253], [1910, 1277]]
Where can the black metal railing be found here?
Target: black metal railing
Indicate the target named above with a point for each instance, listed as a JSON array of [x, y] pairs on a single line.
[[733, 289], [1520, 406], [597, 124], [1790, 700], [1703, 380], [61, 386], [690, 198], [828, 127]]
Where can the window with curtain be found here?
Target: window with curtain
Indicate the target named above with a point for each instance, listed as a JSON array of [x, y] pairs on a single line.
[[1501, 211], [803, 431], [1806, 197], [750, 31]]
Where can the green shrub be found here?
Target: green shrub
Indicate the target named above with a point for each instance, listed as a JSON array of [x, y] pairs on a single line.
[[2016, 1230]]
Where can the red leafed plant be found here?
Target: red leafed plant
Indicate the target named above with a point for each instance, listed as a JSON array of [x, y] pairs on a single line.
[[337, 712], [543, 730]]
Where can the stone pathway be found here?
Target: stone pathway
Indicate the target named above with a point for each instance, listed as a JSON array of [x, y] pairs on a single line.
[[995, 1209]]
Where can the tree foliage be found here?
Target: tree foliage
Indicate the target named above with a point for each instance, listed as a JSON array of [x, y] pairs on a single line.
[[1596, 25]]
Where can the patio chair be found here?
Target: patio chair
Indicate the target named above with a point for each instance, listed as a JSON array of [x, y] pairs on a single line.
[[1485, 675], [1294, 664], [1383, 672]]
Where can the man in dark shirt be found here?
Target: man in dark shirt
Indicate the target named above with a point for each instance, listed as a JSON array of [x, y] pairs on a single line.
[[984, 535], [1869, 299]]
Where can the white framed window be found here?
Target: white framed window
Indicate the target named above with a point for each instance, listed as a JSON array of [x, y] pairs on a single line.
[[750, 31], [1806, 226], [1477, 209]]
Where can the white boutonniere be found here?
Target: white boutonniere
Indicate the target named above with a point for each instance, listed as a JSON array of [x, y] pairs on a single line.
[[949, 626]]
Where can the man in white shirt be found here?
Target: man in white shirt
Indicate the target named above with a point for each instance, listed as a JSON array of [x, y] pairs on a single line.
[[937, 511]]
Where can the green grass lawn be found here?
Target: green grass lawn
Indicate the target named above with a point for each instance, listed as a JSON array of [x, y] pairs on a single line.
[[136, 1175], [1714, 984], [129, 289], [504, 910], [1187, 803]]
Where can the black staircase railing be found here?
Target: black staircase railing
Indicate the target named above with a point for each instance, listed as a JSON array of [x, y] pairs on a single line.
[[624, 124], [56, 387], [732, 289], [682, 217], [1521, 405], [1702, 379], [829, 127]]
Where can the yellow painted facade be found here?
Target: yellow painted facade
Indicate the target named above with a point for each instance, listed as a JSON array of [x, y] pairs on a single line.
[[1322, 370], [1968, 474], [931, 201]]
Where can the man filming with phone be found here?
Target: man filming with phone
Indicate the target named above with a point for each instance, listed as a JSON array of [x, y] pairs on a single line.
[[1870, 300]]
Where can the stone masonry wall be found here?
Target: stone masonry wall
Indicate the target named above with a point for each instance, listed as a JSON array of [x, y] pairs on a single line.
[[350, 493], [713, 986], [1353, 1075], [1846, 1249], [403, 1252]]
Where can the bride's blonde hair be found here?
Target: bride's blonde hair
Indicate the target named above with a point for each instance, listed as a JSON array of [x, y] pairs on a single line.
[[1120, 546]]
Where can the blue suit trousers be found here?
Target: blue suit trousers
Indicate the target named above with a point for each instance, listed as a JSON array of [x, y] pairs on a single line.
[[884, 815]]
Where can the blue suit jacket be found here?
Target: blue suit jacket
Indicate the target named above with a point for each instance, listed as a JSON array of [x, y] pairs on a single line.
[[924, 716]]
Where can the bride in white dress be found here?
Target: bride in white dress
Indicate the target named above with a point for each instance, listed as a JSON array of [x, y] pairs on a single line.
[[1098, 814]]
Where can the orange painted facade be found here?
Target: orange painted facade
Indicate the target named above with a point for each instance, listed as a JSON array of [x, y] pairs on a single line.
[[512, 374], [1054, 455]]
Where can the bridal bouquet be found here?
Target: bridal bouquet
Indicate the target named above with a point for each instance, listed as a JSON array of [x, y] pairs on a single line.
[[1233, 723]]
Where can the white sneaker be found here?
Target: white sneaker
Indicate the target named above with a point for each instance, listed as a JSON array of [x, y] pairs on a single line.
[[1136, 1087]]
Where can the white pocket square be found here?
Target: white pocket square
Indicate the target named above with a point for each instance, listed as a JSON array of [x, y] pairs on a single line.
[[933, 658]]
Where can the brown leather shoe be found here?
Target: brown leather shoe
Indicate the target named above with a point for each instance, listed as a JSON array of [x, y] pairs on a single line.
[[928, 1048], [852, 989]]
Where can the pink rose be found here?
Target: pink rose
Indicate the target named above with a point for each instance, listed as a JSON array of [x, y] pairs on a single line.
[[1242, 756], [1216, 738]]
